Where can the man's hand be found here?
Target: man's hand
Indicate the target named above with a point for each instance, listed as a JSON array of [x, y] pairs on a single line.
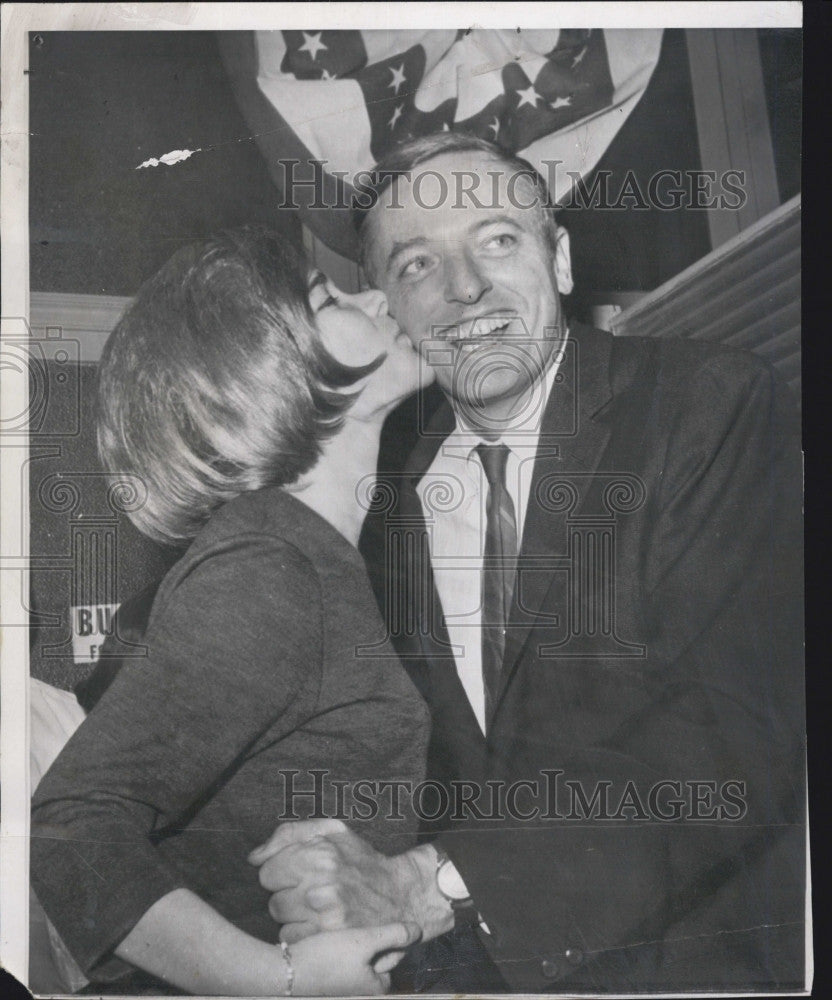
[[324, 877], [350, 963]]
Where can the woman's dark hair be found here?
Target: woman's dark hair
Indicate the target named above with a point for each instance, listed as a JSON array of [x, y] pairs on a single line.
[[215, 382]]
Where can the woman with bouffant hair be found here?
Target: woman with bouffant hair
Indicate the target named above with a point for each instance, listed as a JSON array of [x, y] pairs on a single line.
[[188, 381], [247, 394]]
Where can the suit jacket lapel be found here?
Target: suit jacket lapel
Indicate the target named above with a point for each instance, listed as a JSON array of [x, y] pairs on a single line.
[[573, 440], [451, 709]]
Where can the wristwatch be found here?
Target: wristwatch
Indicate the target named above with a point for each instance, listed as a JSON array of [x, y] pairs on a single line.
[[448, 879], [453, 888]]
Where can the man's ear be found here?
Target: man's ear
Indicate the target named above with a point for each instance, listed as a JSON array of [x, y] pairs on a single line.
[[563, 261]]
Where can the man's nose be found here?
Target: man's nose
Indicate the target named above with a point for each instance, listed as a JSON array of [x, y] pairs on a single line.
[[464, 281], [373, 302]]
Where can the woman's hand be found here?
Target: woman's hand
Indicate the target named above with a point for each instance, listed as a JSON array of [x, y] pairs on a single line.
[[184, 941], [324, 877], [352, 962]]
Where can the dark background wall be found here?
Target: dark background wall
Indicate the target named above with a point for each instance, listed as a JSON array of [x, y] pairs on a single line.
[[781, 55], [635, 250], [100, 104]]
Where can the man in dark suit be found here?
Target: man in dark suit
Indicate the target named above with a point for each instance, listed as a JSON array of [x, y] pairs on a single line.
[[591, 568]]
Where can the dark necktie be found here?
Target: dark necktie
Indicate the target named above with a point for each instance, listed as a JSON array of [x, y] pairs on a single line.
[[499, 566]]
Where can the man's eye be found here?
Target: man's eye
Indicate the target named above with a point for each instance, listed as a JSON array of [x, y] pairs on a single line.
[[414, 267], [502, 241], [330, 300]]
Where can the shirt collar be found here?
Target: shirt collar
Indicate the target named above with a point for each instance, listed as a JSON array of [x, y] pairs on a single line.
[[522, 436]]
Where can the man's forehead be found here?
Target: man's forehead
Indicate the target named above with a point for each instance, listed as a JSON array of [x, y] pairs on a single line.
[[453, 193]]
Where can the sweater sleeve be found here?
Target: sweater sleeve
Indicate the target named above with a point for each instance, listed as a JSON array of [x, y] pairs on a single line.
[[233, 650]]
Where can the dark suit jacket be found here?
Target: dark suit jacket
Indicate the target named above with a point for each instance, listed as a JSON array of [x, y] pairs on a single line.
[[655, 636]]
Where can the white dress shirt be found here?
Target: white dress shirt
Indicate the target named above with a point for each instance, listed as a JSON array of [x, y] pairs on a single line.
[[453, 493]]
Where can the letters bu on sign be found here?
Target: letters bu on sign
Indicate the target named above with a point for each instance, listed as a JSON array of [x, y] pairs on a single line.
[[91, 624]]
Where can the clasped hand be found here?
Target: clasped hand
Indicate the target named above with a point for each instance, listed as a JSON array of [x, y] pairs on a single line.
[[324, 877]]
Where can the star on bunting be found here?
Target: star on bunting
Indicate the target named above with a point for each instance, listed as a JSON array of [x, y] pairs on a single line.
[[312, 44], [398, 78], [396, 115], [579, 57], [528, 96]]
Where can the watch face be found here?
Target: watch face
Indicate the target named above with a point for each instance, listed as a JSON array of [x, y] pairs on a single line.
[[450, 882]]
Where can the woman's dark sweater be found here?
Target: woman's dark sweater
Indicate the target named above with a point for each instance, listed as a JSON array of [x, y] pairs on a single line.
[[266, 661]]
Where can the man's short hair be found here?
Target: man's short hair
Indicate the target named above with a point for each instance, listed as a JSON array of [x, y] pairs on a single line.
[[404, 158], [215, 381]]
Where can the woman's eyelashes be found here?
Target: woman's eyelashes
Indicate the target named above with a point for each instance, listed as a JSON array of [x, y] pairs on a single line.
[[320, 295]]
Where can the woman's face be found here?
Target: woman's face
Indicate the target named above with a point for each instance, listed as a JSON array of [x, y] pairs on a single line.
[[356, 329]]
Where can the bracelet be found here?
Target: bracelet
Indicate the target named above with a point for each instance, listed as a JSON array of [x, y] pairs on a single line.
[[290, 969]]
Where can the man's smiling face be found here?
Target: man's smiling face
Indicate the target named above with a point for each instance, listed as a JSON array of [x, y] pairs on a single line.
[[474, 286]]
